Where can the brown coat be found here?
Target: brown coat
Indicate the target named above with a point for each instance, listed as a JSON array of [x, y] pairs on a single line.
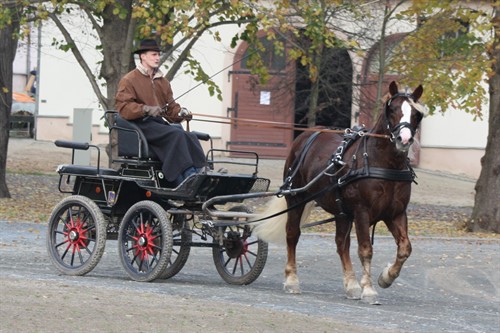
[[137, 89]]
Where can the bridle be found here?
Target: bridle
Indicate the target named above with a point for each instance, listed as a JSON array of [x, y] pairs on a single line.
[[394, 131]]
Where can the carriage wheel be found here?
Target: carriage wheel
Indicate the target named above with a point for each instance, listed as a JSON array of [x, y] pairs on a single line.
[[182, 238], [242, 257], [76, 235], [145, 241]]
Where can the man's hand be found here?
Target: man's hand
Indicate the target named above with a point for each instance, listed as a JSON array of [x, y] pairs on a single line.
[[151, 111], [186, 114]]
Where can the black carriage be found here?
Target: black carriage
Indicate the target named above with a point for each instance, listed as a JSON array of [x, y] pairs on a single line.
[[154, 224]]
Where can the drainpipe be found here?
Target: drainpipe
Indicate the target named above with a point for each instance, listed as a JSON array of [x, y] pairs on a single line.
[[38, 60]]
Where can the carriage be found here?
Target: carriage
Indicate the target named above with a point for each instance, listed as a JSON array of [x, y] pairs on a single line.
[[155, 224], [357, 175]]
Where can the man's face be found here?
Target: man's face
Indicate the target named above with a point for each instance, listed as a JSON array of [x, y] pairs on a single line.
[[151, 59]]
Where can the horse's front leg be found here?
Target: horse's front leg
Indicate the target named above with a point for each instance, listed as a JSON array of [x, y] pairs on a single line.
[[365, 253], [343, 240], [399, 229], [291, 284]]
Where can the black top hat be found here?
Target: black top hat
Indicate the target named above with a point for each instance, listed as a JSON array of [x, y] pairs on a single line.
[[147, 45]]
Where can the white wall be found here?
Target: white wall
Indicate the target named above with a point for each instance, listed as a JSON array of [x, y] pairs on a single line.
[[454, 129], [215, 57], [63, 84]]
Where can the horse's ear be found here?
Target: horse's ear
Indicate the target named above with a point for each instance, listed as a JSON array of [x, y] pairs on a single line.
[[393, 88], [418, 93]]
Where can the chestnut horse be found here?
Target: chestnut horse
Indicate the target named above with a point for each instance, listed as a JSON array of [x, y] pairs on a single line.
[[369, 180]]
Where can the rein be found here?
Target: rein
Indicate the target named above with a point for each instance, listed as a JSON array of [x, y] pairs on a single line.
[[276, 125]]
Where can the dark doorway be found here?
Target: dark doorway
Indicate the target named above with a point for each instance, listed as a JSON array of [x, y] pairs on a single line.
[[335, 96]]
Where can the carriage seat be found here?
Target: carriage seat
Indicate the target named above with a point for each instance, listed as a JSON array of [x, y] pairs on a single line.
[[82, 170], [132, 141]]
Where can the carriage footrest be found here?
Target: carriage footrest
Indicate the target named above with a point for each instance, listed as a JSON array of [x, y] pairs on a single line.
[[85, 170]]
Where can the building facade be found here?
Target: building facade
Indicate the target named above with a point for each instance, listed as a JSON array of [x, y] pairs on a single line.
[[450, 142]]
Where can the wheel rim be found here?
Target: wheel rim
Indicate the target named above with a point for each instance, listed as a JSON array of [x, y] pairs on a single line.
[[143, 240], [181, 248], [241, 257], [74, 244], [77, 235], [237, 255], [144, 243]]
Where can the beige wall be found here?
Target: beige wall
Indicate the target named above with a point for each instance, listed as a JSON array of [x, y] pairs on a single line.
[[454, 160], [59, 128]]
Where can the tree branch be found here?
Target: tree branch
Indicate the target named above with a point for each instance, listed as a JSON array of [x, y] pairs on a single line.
[[94, 22], [79, 58]]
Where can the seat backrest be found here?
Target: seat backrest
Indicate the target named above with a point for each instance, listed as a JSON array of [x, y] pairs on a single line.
[[131, 140]]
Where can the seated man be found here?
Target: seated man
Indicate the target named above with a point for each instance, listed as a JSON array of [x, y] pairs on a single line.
[[144, 96]]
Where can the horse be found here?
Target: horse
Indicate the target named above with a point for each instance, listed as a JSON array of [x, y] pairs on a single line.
[[362, 177]]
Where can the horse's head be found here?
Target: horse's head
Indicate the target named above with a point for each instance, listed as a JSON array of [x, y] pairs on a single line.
[[403, 114]]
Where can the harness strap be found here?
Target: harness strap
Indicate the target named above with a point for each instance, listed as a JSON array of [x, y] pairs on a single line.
[[294, 168]]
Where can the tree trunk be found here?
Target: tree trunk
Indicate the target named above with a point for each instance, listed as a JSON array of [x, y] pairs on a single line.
[[8, 40], [314, 99], [486, 212], [117, 60], [116, 39]]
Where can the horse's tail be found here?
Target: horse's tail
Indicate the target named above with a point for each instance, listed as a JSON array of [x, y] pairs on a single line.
[[273, 230]]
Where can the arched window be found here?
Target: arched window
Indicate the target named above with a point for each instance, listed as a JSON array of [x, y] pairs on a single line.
[[275, 61]]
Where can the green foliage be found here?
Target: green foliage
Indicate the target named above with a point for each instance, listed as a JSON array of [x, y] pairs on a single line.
[[448, 55], [195, 69], [303, 29]]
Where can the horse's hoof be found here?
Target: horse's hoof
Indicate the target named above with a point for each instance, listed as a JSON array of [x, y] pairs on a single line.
[[370, 296], [372, 300], [292, 288], [383, 279], [354, 293]]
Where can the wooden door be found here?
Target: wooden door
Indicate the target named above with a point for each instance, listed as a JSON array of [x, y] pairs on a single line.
[[270, 102]]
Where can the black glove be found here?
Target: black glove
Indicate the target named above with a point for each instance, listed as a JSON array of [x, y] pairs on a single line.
[[151, 111], [186, 114]]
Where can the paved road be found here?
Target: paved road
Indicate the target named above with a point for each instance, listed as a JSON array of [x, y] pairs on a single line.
[[447, 285]]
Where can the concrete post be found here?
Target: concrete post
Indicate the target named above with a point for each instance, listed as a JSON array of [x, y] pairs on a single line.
[[82, 132]]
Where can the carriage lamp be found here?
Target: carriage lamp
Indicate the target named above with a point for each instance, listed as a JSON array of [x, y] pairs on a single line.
[[111, 198]]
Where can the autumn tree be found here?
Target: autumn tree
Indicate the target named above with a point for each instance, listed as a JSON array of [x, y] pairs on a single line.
[[452, 53], [177, 25], [486, 212], [308, 32]]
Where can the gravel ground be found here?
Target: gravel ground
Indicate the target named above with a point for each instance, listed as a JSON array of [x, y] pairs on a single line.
[[448, 285]]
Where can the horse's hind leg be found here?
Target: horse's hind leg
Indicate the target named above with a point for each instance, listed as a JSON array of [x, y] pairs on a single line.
[[399, 230], [291, 284], [343, 241]]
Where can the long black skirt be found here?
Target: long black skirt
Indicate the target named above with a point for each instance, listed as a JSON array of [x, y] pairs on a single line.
[[176, 148]]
